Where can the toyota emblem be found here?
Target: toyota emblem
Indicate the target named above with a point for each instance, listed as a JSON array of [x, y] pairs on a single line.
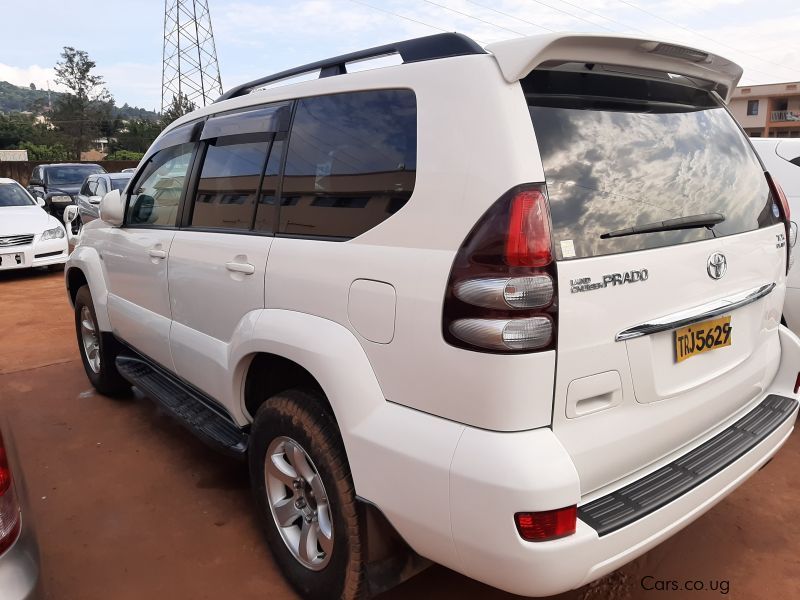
[[717, 265]]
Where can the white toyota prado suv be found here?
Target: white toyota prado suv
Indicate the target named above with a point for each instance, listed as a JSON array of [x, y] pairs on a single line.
[[513, 310]]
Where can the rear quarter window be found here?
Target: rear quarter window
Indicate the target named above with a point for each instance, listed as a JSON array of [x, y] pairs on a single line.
[[351, 163], [620, 152]]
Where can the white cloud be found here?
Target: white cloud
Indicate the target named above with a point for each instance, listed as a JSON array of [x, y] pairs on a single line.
[[135, 83], [24, 76]]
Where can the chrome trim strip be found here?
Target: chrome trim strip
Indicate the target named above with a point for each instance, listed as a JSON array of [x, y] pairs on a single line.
[[705, 311]]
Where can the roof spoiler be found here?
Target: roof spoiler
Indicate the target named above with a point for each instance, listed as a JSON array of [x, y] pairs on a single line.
[[520, 56]]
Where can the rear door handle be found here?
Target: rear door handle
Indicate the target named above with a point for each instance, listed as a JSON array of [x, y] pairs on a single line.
[[157, 253], [236, 267]]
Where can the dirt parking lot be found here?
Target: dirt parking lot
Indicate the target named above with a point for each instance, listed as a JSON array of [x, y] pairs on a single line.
[[130, 506]]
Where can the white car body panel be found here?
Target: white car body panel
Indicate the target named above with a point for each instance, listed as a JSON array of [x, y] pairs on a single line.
[[776, 154], [485, 435], [210, 303], [138, 297]]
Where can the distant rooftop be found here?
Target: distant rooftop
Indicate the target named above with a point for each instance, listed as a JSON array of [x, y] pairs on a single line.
[[790, 88]]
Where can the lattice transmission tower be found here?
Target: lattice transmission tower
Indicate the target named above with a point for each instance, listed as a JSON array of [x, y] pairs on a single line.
[[190, 65]]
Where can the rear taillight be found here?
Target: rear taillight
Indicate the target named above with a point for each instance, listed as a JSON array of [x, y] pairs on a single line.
[[547, 525], [502, 296], [9, 506], [779, 197]]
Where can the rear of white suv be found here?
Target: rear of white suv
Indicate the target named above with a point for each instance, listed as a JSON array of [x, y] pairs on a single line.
[[521, 308]]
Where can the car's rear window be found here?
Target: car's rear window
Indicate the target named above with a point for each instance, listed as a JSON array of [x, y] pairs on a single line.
[[71, 175], [119, 183], [620, 152]]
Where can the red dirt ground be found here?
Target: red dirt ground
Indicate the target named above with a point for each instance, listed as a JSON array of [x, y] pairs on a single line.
[[130, 506]]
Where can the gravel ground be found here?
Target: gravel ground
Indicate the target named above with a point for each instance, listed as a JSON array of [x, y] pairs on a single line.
[[130, 506]]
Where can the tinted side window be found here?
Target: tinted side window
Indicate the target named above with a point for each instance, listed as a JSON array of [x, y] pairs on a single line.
[[265, 216], [229, 182], [100, 190], [157, 194], [351, 162], [795, 161], [85, 188]]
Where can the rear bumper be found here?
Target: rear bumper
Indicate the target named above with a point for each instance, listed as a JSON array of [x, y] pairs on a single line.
[[490, 549], [504, 560], [475, 480], [20, 575]]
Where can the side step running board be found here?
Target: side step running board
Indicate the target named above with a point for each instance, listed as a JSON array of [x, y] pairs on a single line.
[[196, 412]]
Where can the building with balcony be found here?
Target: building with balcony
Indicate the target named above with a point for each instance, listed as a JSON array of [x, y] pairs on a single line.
[[769, 110]]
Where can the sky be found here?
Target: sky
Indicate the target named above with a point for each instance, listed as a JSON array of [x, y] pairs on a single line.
[[258, 37]]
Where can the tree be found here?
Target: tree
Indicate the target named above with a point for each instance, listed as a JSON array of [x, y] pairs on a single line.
[[125, 155], [136, 135], [80, 112], [179, 106], [56, 152], [14, 129]]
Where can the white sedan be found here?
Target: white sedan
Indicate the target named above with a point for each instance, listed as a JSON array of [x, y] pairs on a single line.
[[29, 237]]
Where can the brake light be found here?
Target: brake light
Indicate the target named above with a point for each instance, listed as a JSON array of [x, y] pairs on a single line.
[[779, 196], [547, 525], [9, 507], [501, 296], [528, 242]]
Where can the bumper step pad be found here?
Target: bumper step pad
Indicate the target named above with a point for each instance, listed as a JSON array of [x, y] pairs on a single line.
[[190, 407], [640, 498]]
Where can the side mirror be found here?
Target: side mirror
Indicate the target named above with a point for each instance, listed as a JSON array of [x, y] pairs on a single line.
[[112, 208], [70, 214], [41, 202], [95, 199]]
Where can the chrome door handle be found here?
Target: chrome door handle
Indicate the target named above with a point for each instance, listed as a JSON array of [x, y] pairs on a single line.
[[236, 267], [157, 253]]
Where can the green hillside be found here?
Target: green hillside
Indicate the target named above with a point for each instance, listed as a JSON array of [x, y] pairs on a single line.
[[14, 98]]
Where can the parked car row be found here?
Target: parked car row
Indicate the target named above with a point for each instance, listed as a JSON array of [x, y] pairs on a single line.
[[59, 184], [526, 333]]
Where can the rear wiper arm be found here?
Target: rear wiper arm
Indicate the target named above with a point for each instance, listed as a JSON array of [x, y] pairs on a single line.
[[692, 222]]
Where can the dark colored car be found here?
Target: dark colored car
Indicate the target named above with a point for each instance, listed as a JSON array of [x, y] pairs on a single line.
[[93, 190], [58, 184], [20, 572]]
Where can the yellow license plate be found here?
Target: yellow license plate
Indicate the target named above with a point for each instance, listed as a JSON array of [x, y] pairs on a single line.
[[702, 337]]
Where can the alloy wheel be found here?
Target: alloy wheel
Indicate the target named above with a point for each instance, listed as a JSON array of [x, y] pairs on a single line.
[[299, 503]]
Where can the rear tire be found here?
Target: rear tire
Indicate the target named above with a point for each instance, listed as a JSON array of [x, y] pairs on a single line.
[[301, 478], [98, 350]]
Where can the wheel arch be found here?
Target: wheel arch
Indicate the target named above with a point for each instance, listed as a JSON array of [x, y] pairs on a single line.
[[290, 349], [84, 268]]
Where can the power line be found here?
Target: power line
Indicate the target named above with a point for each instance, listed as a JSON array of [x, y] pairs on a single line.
[[513, 16], [469, 16], [394, 14], [742, 52], [602, 16], [569, 14]]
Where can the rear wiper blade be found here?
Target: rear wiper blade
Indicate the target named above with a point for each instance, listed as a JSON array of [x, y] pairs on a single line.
[[692, 222]]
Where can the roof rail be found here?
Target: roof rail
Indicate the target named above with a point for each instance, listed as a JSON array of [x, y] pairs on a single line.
[[441, 45]]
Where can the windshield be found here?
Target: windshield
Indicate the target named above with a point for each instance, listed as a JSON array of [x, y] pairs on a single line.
[[71, 175], [620, 152], [119, 183], [12, 194]]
